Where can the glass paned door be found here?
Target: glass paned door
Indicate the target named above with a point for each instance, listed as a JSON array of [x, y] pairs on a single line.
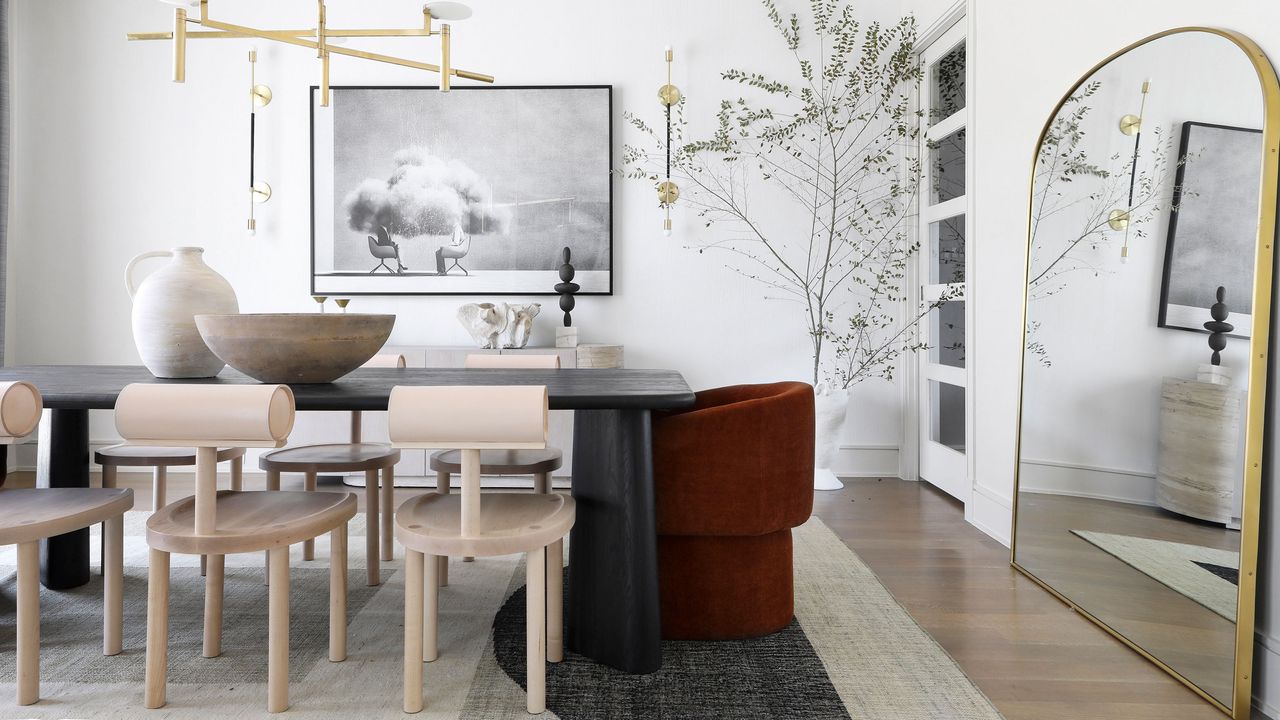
[[942, 376]]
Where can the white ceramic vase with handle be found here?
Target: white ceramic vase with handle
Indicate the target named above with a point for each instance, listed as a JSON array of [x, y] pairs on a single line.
[[830, 406], [164, 310]]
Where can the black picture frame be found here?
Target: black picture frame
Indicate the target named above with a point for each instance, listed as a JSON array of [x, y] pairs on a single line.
[[1242, 249], [608, 290]]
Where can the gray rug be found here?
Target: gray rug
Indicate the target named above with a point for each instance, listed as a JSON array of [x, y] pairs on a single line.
[[1206, 575], [852, 651]]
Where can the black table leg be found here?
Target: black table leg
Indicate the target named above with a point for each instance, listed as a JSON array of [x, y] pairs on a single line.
[[64, 462], [613, 611]]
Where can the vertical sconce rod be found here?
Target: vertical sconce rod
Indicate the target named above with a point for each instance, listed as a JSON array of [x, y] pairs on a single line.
[[253, 118]]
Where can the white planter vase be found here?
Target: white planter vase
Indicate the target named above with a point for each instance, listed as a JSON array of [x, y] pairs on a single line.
[[830, 406], [164, 310]]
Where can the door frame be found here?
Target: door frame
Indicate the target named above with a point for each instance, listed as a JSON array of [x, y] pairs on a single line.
[[958, 13]]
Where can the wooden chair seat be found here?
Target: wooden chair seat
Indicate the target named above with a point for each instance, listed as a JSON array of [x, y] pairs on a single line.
[[31, 514], [502, 462], [250, 521], [337, 457], [432, 524], [141, 456], [371, 458]]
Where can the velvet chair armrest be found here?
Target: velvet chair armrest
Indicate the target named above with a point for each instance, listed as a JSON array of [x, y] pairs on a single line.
[[739, 463]]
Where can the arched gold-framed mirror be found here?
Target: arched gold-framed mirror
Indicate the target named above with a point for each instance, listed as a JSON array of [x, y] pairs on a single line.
[[1146, 318]]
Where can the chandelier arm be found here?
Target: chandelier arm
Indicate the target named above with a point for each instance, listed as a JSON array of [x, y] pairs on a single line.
[[179, 45], [379, 57], [293, 33]]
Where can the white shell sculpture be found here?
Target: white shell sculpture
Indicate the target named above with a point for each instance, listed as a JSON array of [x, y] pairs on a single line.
[[520, 324], [485, 322]]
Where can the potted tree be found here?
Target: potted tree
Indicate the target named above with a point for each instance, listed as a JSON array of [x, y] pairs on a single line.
[[836, 138]]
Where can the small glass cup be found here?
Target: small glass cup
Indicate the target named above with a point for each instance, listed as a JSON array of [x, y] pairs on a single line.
[[320, 300], [342, 303]]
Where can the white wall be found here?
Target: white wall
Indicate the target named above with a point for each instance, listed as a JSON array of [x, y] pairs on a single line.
[[111, 159]]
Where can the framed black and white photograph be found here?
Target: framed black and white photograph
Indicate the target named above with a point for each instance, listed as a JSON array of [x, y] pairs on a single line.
[[1213, 227], [470, 192]]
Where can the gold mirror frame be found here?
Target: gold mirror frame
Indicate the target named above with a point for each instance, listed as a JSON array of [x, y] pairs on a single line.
[[1242, 697]]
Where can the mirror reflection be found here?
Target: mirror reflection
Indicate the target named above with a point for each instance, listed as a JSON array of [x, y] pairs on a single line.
[[1144, 222]]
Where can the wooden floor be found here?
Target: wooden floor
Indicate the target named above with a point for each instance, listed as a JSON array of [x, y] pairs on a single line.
[[1033, 656]]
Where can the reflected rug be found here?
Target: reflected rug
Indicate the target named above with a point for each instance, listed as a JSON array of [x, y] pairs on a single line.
[[1206, 575], [851, 652]]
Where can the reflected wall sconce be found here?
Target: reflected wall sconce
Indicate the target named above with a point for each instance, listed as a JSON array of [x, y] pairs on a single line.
[[318, 38], [668, 191], [259, 97], [1130, 125]]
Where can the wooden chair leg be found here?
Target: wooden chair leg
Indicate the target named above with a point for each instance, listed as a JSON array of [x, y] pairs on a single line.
[[431, 608], [157, 629], [159, 478], [113, 585], [338, 593], [28, 623], [371, 526], [442, 486], [536, 630], [273, 483], [309, 546], [278, 632], [555, 601], [542, 483], [204, 566], [388, 512], [413, 609], [108, 481], [213, 594], [237, 473]]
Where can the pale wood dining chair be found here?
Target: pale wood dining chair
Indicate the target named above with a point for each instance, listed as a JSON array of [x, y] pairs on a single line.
[[434, 525], [28, 516], [540, 463], [219, 523], [373, 459]]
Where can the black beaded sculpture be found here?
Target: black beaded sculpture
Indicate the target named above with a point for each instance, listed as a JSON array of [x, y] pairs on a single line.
[[1218, 327], [566, 287]]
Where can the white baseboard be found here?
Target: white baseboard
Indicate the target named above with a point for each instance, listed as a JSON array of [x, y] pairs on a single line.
[[1050, 477], [991, 513], [866, 461]]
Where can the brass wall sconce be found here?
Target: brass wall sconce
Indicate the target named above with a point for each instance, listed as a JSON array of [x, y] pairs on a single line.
[[668, 191], [1130, 125], [259, 97], [321, 38]]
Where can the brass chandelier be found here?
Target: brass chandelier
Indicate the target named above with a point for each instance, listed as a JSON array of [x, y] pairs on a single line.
[[321, 38]]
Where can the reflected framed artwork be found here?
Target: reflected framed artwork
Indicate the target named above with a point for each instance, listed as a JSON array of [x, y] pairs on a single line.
[[1213, 227], [470, 192]]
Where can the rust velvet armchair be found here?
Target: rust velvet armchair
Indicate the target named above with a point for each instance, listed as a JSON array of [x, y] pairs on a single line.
[[733, 475]]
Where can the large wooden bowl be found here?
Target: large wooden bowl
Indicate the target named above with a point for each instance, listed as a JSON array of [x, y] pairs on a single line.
[[295, 347]]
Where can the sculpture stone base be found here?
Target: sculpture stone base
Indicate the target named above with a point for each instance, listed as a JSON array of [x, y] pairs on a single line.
[[566, 337]]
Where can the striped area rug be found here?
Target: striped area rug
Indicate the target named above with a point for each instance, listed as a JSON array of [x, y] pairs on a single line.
[[852, 651]]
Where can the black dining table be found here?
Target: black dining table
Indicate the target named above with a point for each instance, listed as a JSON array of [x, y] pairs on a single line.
[[612, 606]]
